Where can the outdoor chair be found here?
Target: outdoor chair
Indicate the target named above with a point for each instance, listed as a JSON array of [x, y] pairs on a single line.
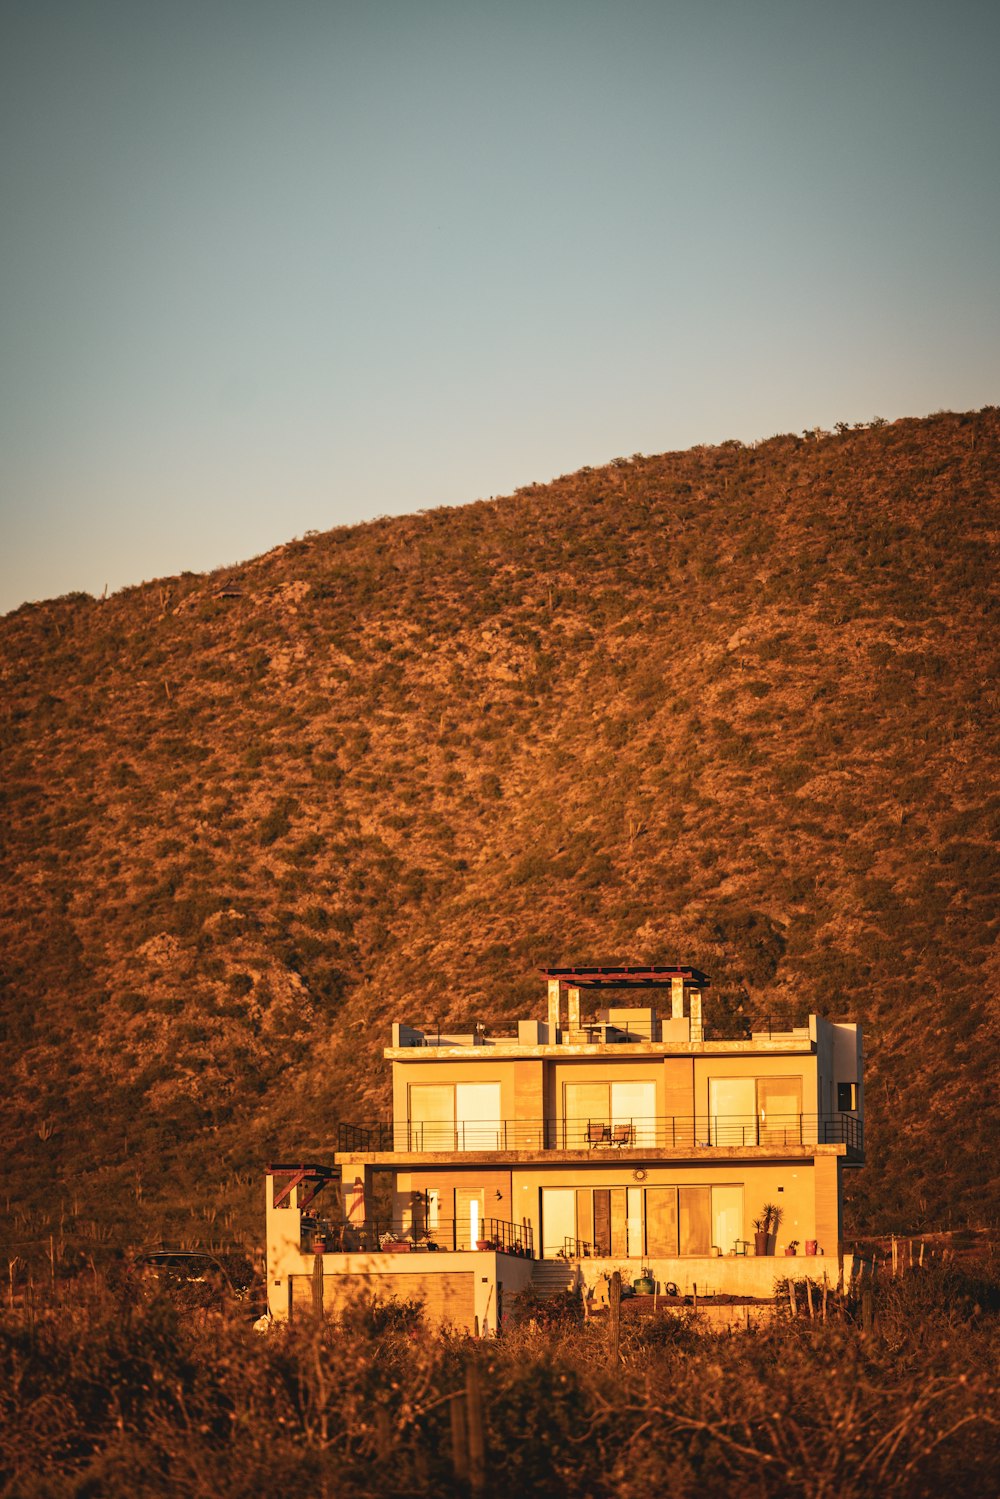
[[598, 1134], [622, 1134]]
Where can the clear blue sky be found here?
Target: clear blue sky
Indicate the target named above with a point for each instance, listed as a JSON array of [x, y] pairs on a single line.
[[267, 267]]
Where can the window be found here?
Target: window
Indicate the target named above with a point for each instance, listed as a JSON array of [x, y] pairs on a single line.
[[847, 1097], [455, 1116], [732, 1106], [558, 1221], [616, 1113], [636, 1222], [779, 1105]]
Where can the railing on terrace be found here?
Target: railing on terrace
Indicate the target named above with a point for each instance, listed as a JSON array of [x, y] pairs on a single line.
[[395, 1236], [711, 1131]]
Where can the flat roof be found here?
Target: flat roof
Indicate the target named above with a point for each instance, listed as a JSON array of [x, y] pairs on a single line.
[[627, 977]]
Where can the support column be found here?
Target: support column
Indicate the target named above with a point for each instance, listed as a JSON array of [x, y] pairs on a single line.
[[573, 1011], [697, 1028], [676, 998], [556, 990]]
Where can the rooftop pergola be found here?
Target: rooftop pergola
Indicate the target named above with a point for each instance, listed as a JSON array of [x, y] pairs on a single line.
[[627, 977]]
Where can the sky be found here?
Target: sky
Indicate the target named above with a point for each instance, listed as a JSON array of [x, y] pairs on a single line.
[[274, 267]]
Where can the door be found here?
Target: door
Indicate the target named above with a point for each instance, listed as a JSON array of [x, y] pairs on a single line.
[[468, 1217], [432, 1116], [661, 1221], [477, 1116], [732, 1109], [633, 1113], [588, 1115], [695, 1219], [779, 1105], [727, 1217], [558, 1221]]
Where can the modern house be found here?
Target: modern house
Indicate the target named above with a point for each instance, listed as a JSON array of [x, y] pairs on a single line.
[[599, 1138]]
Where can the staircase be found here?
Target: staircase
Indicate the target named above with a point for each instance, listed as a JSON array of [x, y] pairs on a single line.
[[549, 1277]]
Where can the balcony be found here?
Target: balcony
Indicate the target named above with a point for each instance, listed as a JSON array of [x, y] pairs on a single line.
[[417, 1233], [653, 1136]]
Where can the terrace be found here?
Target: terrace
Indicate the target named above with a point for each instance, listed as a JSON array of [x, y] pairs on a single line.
[[574, 1137]]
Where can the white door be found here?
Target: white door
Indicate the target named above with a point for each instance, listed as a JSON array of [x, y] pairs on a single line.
[[478, 1125]]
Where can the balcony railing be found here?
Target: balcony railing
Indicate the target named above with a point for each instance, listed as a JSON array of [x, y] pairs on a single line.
[[415, 1235], [660, 1134]]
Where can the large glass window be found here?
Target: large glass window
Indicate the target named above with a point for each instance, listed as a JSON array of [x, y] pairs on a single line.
[[558, 1221], [779, 1106], [432, 1116], [694, 1216], [661, 1221], [732, 1107], [455, 1116], [727, 1217], [478, 1125], [755, 1111], [617, 1113]]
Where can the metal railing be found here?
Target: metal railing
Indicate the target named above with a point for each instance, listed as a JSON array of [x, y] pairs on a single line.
[[661, 1133], [386, 1235]]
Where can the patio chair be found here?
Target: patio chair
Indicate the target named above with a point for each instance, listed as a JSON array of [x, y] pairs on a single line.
[[622, 1134], [598, 1134]]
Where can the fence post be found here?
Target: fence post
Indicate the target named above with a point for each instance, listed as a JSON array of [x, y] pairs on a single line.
[[474, 1415], [867, 1312], [459, 1442], [615, 1319]]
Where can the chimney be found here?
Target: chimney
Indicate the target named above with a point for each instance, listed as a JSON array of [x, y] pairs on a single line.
[[556, 987], [697, 1029], [573, 1016], [676, 998]]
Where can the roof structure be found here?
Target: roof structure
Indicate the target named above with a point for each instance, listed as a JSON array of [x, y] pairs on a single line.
[[627, 977]]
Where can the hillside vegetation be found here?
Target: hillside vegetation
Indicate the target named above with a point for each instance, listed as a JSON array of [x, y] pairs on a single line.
[[734, 707]]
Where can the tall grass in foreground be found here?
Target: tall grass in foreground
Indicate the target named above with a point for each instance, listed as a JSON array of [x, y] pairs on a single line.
[[115, 1392]]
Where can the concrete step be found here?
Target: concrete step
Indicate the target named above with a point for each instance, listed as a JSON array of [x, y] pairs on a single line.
[[549, 1277]]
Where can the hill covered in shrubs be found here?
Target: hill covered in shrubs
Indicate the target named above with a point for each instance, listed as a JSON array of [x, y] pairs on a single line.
[[734, 706]]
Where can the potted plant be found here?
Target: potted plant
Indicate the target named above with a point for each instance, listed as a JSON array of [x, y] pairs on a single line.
[[766, 1228], [759, 1235], [793, 1247]]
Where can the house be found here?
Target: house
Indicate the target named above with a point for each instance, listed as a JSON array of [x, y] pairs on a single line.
[[609, 1135]]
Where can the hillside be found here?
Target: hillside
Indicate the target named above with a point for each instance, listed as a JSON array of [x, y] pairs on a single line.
[[734, 706]]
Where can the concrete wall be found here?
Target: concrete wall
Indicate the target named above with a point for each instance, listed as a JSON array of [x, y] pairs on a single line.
[[731, 1275], [457, 1290]]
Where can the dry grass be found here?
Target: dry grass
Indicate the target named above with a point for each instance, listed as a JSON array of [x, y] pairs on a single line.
[[114, 1393]]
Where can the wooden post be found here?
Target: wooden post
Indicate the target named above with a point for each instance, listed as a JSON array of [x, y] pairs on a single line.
[[459, 1440], [474, 1420], [826, 1284], [791, 1297], [317, 1285], [867, 1312], [895, 1258], [921, 1254], [615, 1319], [809, 1297]]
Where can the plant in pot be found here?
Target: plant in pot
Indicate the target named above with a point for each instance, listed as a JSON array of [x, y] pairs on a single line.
[[793, 1247], [765, 1228]]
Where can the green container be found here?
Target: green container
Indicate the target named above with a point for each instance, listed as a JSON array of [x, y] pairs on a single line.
[[644, 1286]]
